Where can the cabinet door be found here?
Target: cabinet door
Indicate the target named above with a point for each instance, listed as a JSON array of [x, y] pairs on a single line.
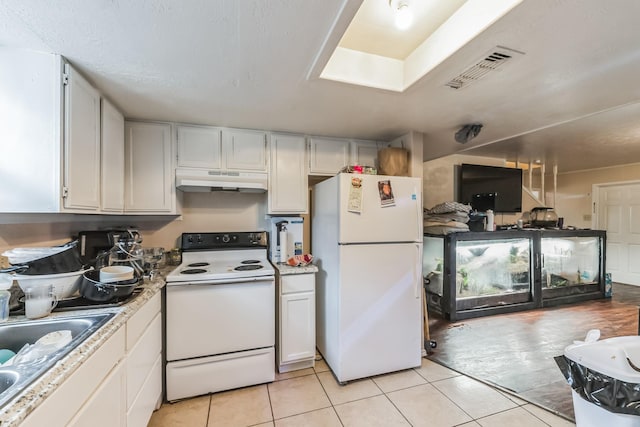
[[112, 176], [327, 156], [106, 406], [81, 143], [199, 147], [288, 184], [62, 406], [245, 150], [297, 326], [364, 153], [149, 183], [30, 131]]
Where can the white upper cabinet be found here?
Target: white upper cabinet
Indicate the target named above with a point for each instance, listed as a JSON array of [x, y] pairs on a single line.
[[81, 143], [50, 135], [365, 153], [149, 173], [288, 186], [219, 149], [112, 158], [328, 155], [245, 150], [199, 147]]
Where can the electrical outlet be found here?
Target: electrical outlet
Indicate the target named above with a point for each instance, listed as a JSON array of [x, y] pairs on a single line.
[[586, 217]]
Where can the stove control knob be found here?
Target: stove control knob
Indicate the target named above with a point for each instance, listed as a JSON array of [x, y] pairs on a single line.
[[226, 238], [199, 238], [190, 239]]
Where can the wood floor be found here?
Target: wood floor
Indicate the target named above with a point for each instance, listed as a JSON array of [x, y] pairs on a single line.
[[515, 351]]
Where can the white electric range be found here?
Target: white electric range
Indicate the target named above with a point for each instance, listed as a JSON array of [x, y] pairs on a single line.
[[220, 315]]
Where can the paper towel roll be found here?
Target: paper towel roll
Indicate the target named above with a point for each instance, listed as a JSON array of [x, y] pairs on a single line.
[[284, 244]]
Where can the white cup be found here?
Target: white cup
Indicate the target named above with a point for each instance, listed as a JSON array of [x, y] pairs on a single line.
[[38, 302]]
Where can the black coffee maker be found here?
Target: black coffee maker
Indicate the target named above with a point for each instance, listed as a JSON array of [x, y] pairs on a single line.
[[93, 243]]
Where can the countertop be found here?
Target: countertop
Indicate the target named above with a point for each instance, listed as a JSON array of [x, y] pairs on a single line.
[[16, 410], [285, 269]]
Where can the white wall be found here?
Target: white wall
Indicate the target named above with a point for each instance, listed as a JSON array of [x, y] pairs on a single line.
[[573, 197], [202, 212]]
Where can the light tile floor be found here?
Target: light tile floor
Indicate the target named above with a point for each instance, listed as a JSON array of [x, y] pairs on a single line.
[[431, 395]]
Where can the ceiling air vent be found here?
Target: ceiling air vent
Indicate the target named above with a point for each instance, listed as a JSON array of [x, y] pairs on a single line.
[[492, 61]]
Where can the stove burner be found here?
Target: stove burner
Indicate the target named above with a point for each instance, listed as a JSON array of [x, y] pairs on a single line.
[[251, 261], [193, 271], [198, 264], [248, 267]]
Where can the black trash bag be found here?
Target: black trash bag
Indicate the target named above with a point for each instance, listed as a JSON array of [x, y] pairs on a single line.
[[607, 392]]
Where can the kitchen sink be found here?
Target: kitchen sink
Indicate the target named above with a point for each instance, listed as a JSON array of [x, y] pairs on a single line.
[[14, 336], [7, 379]]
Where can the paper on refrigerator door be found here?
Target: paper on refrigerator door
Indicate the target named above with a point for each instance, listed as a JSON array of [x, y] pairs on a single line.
[[354, 203], [386, 193]]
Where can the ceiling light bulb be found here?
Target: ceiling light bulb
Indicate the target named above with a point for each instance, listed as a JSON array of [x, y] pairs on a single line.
[[404, 16]]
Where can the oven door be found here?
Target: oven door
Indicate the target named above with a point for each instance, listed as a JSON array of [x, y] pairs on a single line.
[[205, 319]]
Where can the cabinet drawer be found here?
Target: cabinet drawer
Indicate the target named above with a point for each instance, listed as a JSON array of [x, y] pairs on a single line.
[[145, 403], [139, 321], [140, 360], [297, 283]]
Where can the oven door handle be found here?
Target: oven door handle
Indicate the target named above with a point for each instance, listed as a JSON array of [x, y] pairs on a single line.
[[224, 281]]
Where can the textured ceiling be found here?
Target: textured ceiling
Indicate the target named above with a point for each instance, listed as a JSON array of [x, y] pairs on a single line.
[[246, 64]]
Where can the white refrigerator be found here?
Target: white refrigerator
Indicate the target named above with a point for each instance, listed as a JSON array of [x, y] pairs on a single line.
[[367, 243]]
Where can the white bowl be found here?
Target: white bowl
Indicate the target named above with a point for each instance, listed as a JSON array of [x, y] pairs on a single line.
[[64, 284], [116, 273]]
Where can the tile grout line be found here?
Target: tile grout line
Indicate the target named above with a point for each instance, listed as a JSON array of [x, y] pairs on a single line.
[[327, 394]]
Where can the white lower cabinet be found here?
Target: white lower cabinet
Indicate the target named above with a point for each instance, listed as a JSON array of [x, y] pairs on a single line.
[[296, 322], [105, 408], [71, 397], [119, 385], [143, 366], [149, 397]]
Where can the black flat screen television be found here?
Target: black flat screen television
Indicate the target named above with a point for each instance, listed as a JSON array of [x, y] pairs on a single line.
[[491, 187]]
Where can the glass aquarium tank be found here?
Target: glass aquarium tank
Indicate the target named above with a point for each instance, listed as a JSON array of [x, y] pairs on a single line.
[[569, 262], [492, 272], [432, 264]]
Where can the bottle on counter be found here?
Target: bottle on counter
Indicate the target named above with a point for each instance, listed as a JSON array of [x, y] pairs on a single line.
[[490, 221]]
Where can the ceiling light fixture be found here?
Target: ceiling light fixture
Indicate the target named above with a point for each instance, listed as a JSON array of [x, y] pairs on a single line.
[[403, 15]]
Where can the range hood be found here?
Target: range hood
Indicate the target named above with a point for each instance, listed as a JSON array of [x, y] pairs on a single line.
[[201, 180]]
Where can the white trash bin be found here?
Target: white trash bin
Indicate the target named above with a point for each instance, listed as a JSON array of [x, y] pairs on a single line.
[[609, 373]]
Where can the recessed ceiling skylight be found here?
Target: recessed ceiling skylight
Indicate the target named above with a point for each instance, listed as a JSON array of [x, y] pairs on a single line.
[[373, 52]]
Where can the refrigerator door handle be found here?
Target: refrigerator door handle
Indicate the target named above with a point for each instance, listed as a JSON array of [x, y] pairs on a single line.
[[418, 278], [420, 213]]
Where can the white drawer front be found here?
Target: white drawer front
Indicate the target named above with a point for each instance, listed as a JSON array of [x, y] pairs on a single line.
[[141, 358], [139, 321], [204, 375], [297, 283]]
